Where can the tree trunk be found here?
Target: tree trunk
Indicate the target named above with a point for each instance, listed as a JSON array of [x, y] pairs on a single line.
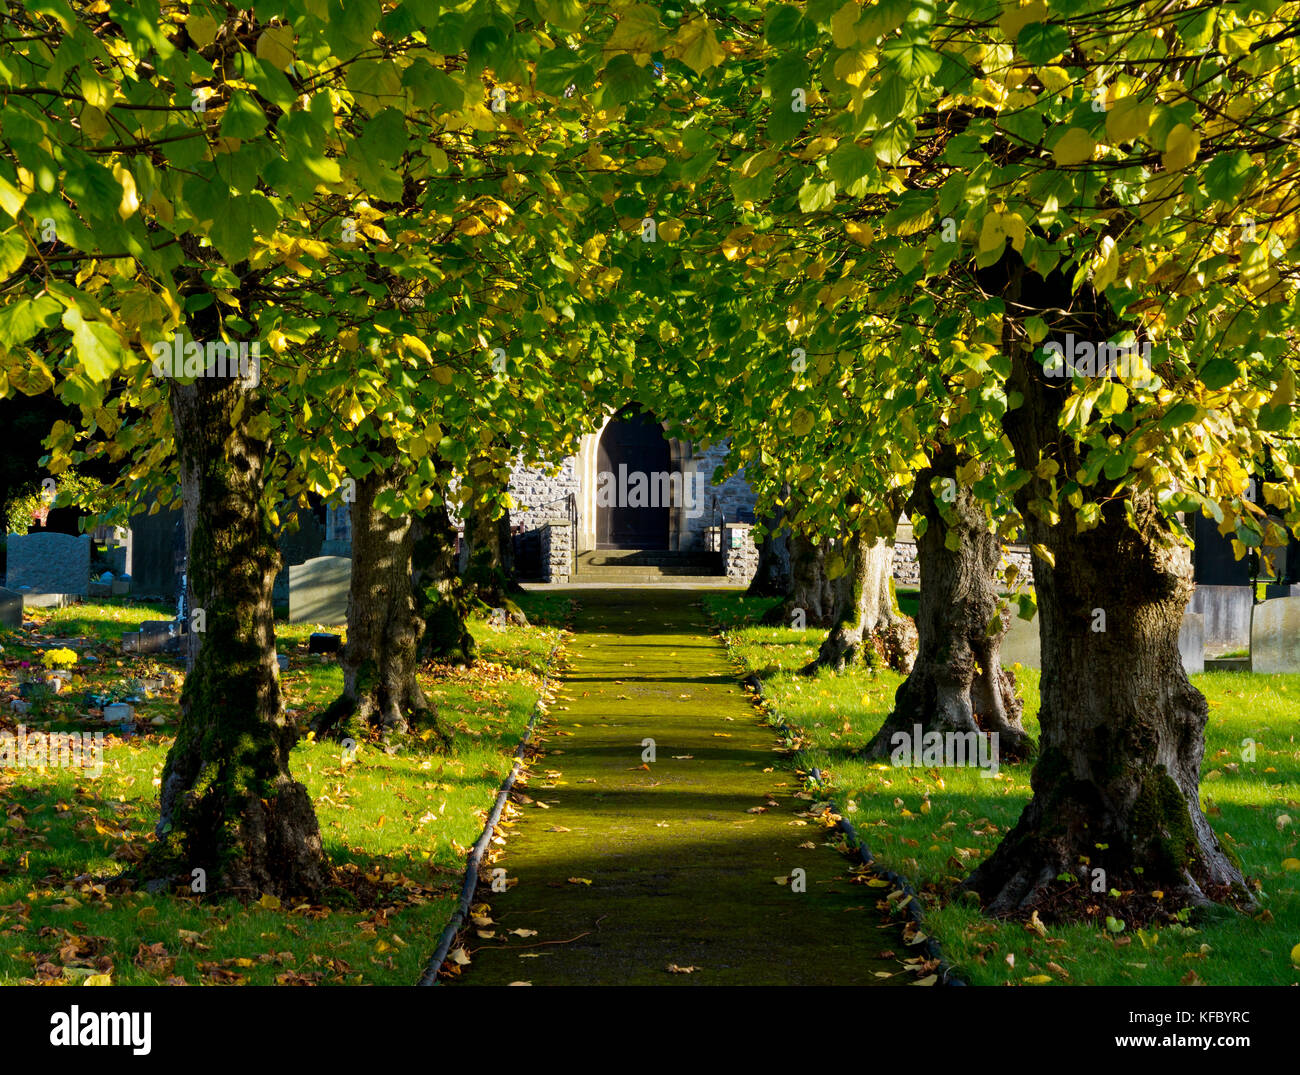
[[379, 661], [810, 599], [489, 568], [958, 684], [440, 597], [866, 621], [229, 806], [772, 577], [1115, 788]]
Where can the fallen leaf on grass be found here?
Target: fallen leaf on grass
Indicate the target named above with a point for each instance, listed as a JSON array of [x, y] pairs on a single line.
[[673, 968], [524, 932], [460, 957], [579, 880]]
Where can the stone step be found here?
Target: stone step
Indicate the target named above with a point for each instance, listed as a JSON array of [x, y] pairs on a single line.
[[648, 558], [602, 578], [600, 573]]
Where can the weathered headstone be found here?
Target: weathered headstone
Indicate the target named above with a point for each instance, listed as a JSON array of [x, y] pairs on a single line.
[[298, 547], [43, 563], [1191, 642], [1226, 610], [11, 608], [318, 590], [1275, 636], [1021, 644]]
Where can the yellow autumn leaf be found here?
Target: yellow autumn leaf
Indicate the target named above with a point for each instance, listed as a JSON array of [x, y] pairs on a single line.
[[1295, 955], [671, 230], [843, 23], [275, 45], [271, 903], [1181, 148], [860, 233], [1038, 979], [1127, 119], [442, 374], [1291, 865], [1074, 148], [130, 196], [697, 46], [1105, 266], [1017, 16]]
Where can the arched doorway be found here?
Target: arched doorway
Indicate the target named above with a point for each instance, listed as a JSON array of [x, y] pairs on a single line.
[[633, 483]]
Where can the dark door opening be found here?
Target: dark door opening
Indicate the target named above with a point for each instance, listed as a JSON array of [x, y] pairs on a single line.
[[633, 464]]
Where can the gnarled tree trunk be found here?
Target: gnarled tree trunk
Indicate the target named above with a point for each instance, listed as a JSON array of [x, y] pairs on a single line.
[[440, 597], [229, 806], [382, 653], [866, 621], [810, 599], [1116, 783], [489, 568], [957, 684]]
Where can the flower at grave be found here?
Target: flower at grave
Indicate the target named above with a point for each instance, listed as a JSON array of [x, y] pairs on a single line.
[[59, 658]]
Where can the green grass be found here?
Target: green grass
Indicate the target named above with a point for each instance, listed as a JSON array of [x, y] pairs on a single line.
[[934, 825], [396, 827]]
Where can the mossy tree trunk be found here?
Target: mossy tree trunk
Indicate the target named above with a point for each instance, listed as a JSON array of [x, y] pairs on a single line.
[[229, 806], [957, 683], [810, 599], [866, 623], [489, 569], [382, 653], [1115, 787], [440, 596], [772, 578]]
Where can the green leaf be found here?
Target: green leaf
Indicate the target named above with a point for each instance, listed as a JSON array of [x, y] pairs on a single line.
[[97, 347], [243, 118]]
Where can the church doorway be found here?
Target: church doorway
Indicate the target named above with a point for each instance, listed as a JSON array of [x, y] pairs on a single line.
[[633, 483]]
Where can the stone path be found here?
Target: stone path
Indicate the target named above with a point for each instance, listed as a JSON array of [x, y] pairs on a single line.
[[681, 871]]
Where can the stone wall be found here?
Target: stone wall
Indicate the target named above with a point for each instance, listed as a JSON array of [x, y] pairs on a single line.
[[729, 501], [907, 568], [739, 553], [557, 550], [536, 490]]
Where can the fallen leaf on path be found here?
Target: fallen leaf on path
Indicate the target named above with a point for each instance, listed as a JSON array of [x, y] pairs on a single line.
[[460, 957], [683, 757], [524, 932], [673, 968], [579, 880], [559, 828]]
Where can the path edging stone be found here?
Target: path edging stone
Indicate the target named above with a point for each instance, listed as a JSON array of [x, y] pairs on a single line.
[[857, 848], [475, 860]]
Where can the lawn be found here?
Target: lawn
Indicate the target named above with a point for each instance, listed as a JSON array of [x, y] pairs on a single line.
[[934, 825], [396, 827]]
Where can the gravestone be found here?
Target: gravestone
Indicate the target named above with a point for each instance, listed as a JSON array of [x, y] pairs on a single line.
[[1191, 642], [1275, 636], [1226, 610], [318, 590], [1021, 644], [151, 553], [302, 545], [11, 608], [48, 564]]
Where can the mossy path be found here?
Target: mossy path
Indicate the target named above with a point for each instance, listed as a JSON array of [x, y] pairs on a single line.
[[681, 871]]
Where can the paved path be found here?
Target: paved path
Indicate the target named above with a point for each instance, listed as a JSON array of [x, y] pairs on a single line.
[[681, 872]]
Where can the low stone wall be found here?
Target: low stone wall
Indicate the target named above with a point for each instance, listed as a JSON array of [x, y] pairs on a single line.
[[739, 553], [557, 550], [907, 567]]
